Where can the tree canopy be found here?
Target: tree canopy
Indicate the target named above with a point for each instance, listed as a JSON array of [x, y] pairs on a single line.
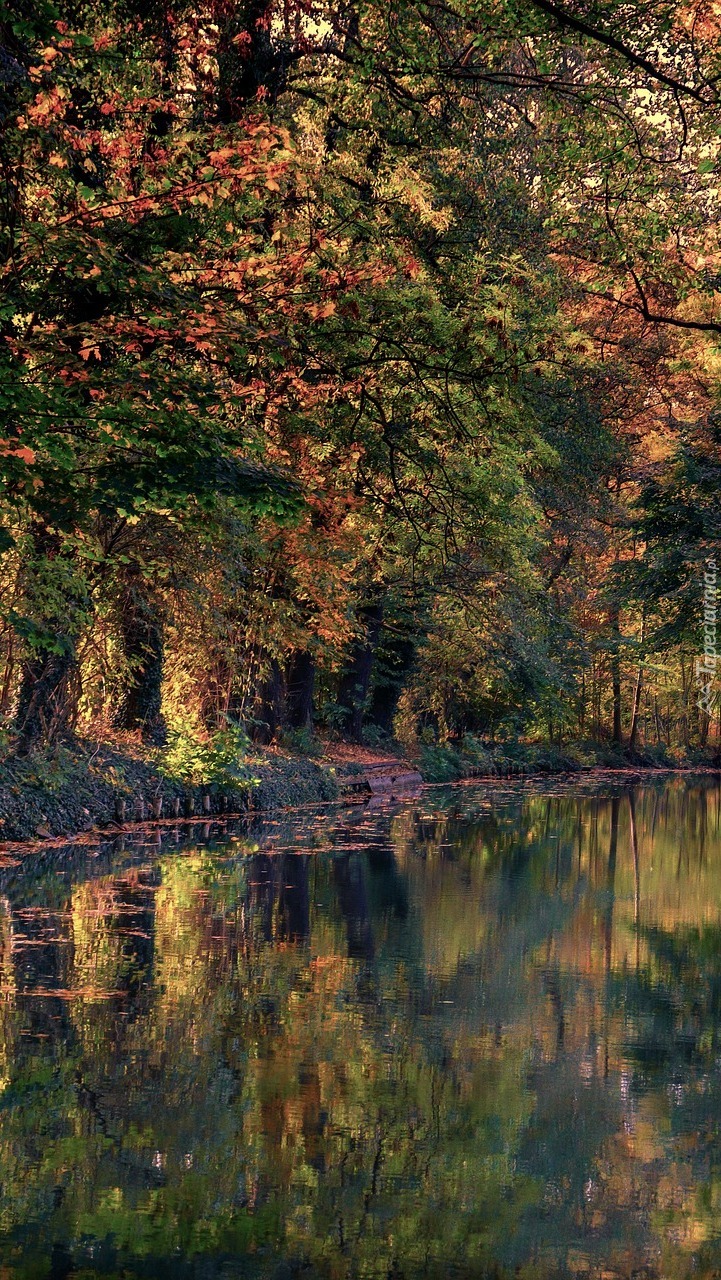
[[359, 366]]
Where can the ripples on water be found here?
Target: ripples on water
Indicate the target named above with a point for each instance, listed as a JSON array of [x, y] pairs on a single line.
[[477, 1035]]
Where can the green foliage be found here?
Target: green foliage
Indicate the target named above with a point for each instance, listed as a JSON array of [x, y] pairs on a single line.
[[285, 337], [222, 759]]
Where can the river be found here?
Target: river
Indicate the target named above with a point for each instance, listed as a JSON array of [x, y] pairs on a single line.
[[475, 1034]]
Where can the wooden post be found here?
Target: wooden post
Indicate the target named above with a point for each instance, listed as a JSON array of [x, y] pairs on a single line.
[[119, 809], [189, 807], [156, 807], [206, 803], [140, 809], [175, 806]]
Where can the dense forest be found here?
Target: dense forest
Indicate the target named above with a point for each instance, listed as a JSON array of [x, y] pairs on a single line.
[[360, 370]]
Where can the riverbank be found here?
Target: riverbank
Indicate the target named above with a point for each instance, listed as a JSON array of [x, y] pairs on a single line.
[[95, 784], [471, 758], [91, 784]]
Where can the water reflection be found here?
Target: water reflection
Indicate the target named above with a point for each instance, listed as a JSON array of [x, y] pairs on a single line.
[[476, 1035]]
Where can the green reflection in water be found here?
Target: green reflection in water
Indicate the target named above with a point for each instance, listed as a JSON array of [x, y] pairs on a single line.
[[473, 1036]]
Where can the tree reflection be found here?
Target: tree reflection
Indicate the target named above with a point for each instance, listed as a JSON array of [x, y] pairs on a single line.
[[474, 1037]]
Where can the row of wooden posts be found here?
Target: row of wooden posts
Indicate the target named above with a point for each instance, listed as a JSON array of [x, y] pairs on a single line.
[[152, 810]]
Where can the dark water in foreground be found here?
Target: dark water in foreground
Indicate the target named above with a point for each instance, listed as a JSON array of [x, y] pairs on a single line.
[[477, 1035]]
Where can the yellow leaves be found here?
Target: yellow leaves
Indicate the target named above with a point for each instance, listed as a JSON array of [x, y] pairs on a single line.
[[57, 161], [405, 185]]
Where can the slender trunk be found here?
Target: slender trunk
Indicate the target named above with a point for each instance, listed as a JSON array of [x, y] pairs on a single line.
[[9, 672], [686, 686], [636, 707]]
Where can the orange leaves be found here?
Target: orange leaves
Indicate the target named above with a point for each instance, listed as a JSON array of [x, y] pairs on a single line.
[[321, 310], [224, 153], [48, 107], [9, 450]]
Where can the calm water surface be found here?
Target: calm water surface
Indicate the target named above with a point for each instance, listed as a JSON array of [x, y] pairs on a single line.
[[475, 1035]]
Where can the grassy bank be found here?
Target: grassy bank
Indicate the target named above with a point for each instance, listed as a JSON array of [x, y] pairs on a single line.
[[91, 783], [451, 762]]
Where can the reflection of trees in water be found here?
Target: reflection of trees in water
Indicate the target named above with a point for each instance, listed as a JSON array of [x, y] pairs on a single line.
[[377, 1061], [42, 950], [279, 898], [113, 932], [350, 887]]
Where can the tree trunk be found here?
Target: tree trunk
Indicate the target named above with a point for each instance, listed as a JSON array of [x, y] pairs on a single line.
[[636, 707], [141, 635], [398, 655], [269, 709], [300, 679], [657, 721], [356, 679], [47, 699]]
